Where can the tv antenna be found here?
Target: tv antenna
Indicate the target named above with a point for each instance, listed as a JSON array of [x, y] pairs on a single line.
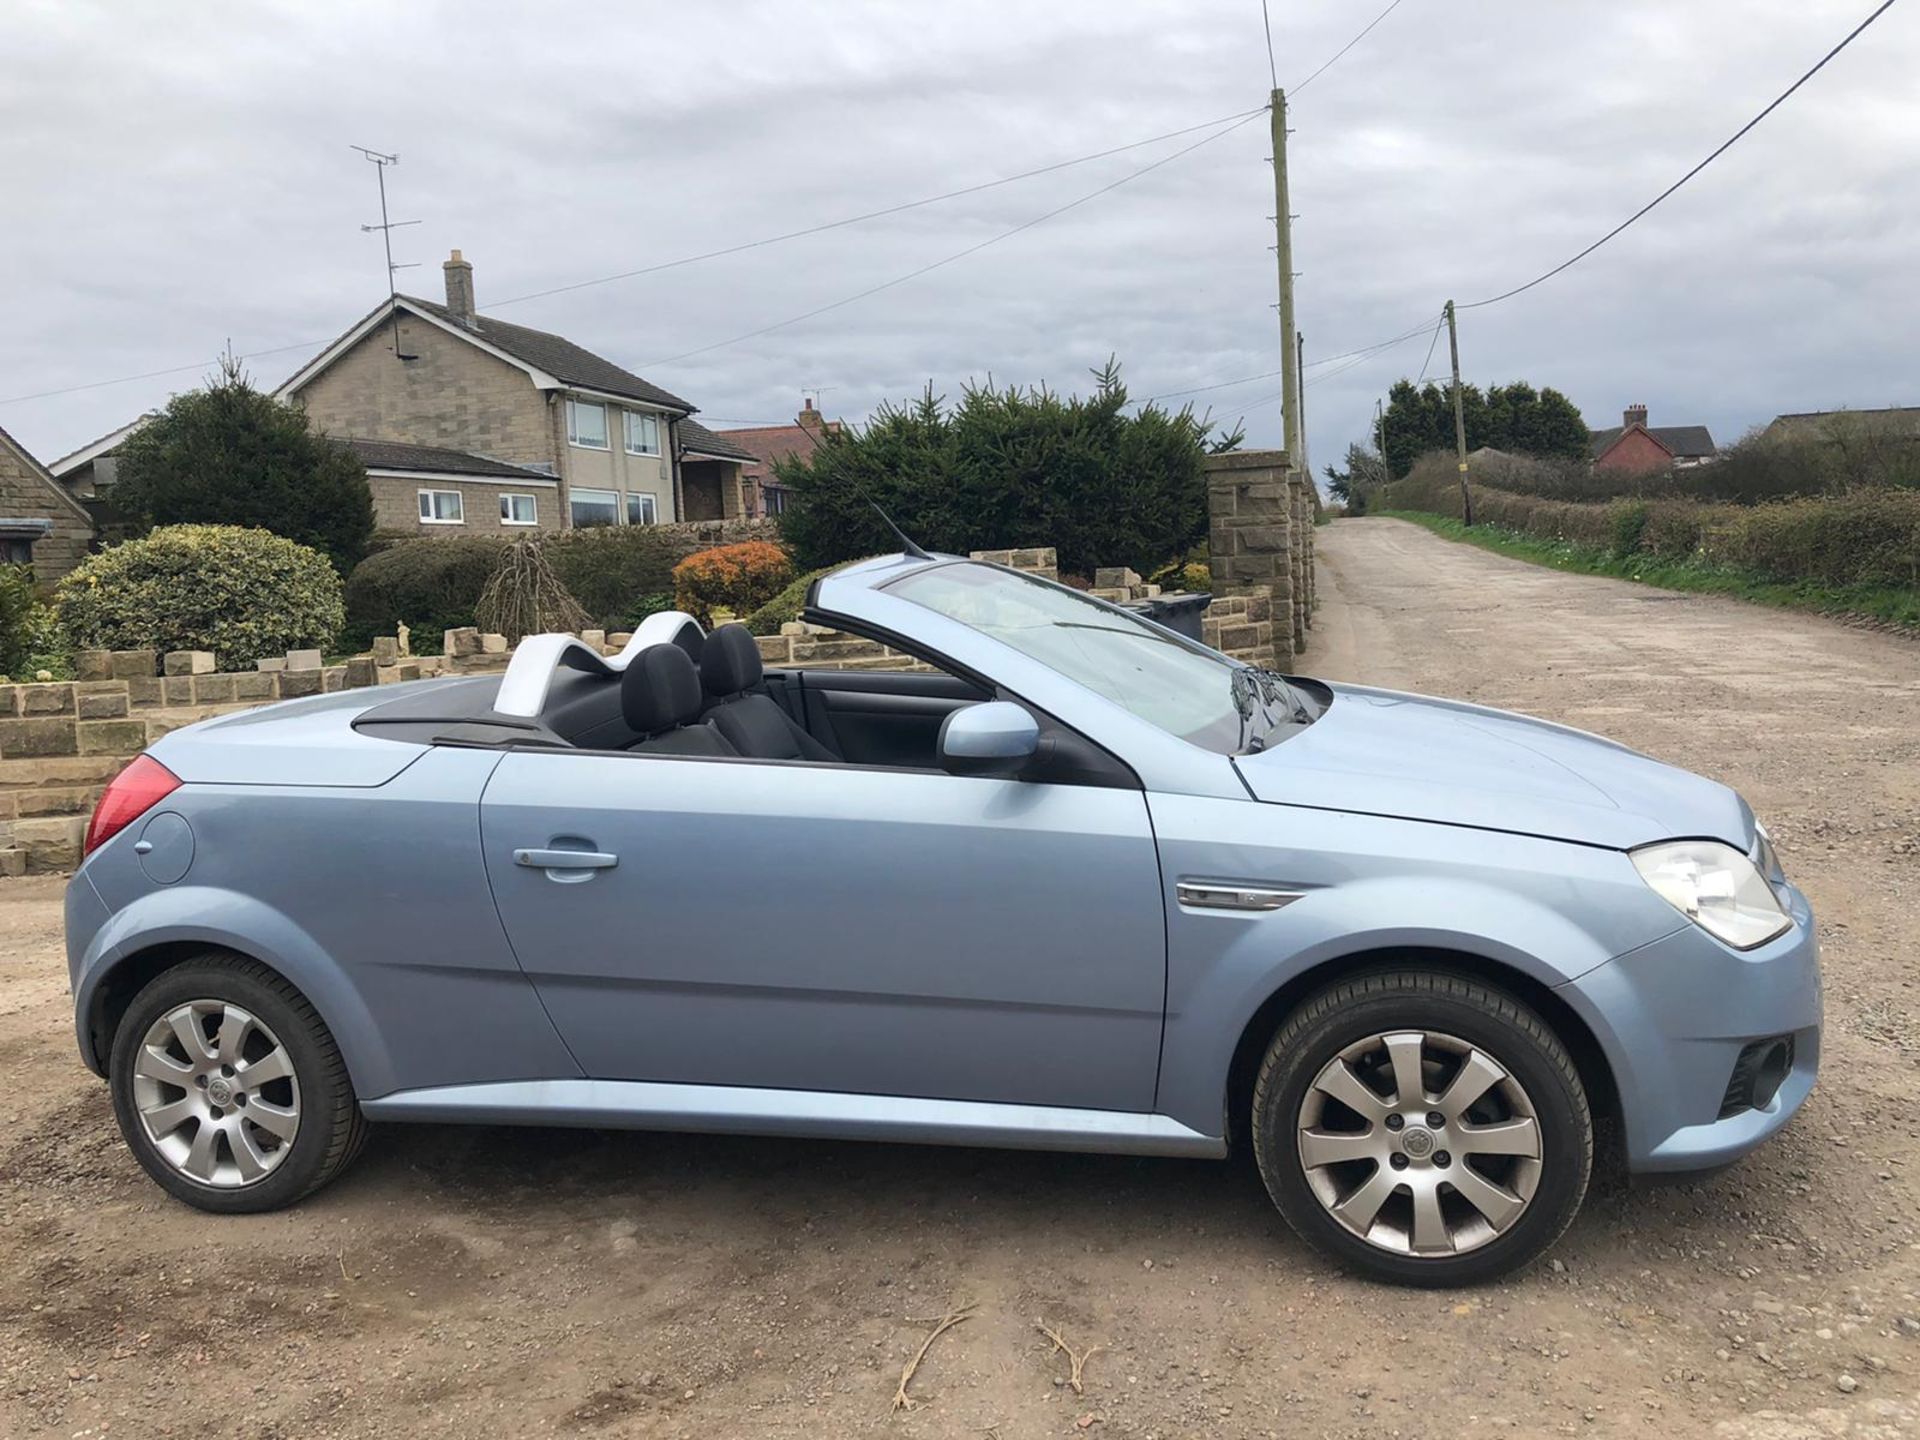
[[386, 228]]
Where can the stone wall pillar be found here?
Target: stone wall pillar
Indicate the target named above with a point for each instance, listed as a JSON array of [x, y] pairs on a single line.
[[1299, 551], [1250, 526]]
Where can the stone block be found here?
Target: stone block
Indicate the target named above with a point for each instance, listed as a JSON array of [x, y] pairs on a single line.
[[93, 664], [187, 662], [94, 700], [1115, 577], [463, 641], [112, 737], [776, 649], [993, 557], [270, 664], [46, 699], [143, 690], [617, 639], [13, 862], [360, 671], [492, 644], [386, 650], [52, 843], [291, 684], [135, 664], [255, 686], [333, 677], [215, 689], [53, 735], [305, 659], [595, 638], [9, 701], [177, 689], [75, 800]]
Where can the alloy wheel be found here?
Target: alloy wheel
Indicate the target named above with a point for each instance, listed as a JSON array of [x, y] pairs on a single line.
[[216, 1094], [1420, 1143]]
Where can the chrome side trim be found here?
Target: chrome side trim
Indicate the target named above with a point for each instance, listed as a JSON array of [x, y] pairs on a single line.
[[1225, 895], [819, 1114]]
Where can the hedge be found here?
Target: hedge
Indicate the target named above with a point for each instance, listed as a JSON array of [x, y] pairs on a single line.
[[241, 593], [430, 585], [1868, 536], [740, 578]]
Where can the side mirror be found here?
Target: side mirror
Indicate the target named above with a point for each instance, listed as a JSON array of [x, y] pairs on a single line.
[[994, 737]]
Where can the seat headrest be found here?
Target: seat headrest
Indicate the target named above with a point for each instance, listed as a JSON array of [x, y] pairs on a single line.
[[659, 690], [730, 661]]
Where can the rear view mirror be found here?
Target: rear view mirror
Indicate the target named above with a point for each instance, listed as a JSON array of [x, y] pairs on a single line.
[[995, 737]]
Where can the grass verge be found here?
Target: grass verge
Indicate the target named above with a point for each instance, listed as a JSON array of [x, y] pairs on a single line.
[[1897, 607]]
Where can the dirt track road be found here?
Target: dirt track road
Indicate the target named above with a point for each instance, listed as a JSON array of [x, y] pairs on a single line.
[[500, 1283]]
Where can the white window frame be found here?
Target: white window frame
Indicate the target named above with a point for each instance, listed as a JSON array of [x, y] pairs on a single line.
[[430, 507], [507, 508], [648, 417], [573, 494], [573, 425], [649, 503]]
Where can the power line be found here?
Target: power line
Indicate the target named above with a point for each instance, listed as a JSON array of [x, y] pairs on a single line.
[[861, 219], [687, 259], [1343, 49], [1431, 346], [973, 249], [1266, 21], [1725, 146]]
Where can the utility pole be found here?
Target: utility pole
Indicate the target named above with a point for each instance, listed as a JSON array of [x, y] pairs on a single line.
[[1300, 372], [386, 228], [1283, 248], [1380, 429], [1459, 418]]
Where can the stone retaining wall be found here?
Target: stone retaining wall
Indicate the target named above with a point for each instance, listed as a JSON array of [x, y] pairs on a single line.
[[1260, 545]]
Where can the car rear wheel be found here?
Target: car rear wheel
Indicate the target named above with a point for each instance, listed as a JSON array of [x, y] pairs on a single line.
[[1422, 1128], [229, 1089]]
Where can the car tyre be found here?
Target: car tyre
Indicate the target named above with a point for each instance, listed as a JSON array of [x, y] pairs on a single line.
[[154, 1075], [1367, 1027]]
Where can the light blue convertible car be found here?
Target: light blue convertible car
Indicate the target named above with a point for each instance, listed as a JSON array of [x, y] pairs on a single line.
[[1074, 883]]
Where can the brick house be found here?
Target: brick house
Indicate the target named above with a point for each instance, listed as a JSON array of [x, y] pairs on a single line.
[[767, 444], [41, 524], [1636, 448]]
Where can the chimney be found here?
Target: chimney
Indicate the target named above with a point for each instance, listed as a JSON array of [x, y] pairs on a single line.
[[1631, 416], [809, 418], [459, 287]]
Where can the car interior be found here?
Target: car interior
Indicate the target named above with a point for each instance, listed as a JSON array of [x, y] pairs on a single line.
[[721, 703]]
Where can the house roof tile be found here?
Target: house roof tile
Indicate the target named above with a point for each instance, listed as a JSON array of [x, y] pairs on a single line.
[[559, 357], [434, 459], [1685, 441], [697, 439]]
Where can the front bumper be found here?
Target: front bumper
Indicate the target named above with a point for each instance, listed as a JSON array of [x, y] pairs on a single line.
[[1673, 1016]]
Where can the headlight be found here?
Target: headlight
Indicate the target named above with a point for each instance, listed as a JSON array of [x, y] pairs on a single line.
[[1716, 887]]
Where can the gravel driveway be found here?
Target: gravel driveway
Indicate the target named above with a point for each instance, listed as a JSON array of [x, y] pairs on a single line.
[[481, 1283]]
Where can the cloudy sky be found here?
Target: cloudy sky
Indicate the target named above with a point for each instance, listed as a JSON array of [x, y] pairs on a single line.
[[179, 176]]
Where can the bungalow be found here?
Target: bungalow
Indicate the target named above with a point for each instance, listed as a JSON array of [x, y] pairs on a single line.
[[41, 524], [1635, 447]]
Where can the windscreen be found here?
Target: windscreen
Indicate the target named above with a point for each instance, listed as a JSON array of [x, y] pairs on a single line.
[[1184, 688]]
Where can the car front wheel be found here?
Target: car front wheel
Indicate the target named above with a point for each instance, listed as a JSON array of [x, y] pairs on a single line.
[[1422, 1128], [229, 1089]]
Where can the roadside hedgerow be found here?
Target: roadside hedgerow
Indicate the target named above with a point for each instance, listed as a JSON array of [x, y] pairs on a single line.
[[430, 585], [241, 593], [740, 578]]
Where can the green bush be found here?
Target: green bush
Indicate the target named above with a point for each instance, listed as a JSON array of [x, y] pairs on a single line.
[[17, 605], [786, 605], [643, 607], [1869, 536], [430, 585], [238, 592]]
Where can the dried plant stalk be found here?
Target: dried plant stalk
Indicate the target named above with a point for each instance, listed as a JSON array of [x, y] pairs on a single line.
[[525, 597]]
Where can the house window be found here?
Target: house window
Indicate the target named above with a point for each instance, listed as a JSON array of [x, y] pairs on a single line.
[[643, 433], [587, 424], [642, 510], [441, 507], [594, 507], [775, 497], [518, 510], [15, 550]]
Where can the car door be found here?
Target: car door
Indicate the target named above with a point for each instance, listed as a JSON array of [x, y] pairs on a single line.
[[835, 927]]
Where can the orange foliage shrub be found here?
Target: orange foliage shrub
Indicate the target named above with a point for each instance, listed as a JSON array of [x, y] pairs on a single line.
[[740, 578]]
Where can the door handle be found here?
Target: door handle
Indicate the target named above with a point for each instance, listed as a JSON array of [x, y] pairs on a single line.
[[565, 859]]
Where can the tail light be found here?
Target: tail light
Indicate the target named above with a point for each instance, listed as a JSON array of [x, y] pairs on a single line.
[[131, 793]]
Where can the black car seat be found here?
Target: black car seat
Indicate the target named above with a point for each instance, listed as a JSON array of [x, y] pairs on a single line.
[[748, 719], [660, 698]]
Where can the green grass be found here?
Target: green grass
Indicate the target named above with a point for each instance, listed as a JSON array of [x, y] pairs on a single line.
[[1891, 605]]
